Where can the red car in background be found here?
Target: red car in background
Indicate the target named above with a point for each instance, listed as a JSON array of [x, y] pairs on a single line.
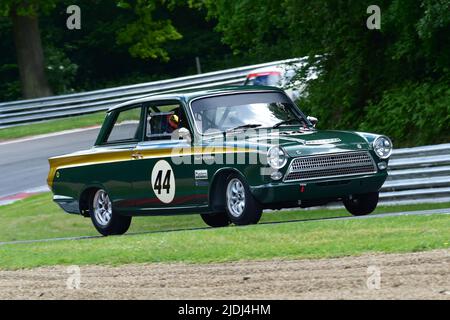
[[281, 76]]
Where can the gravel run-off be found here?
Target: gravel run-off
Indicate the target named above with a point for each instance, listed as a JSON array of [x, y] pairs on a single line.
[[422, 275]]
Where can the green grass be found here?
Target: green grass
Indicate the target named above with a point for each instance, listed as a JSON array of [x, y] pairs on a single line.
[[52, 126], [37, 217], [314, 239]]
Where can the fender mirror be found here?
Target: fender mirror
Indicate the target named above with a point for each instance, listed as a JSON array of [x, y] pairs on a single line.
[[313, 120]]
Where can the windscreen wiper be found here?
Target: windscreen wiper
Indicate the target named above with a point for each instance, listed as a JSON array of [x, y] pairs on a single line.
[[293, 120], [245, 126]]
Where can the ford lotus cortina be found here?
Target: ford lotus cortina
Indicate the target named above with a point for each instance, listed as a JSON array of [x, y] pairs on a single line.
[[225, 153]]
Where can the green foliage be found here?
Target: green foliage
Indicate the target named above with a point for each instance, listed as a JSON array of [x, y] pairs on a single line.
[[418, 113], [120, 43], [357, 65], [145, 34], [26, 8], [434, 18], [9, 90], [60, 70], [9, 74], [360, 69], [252, 26]]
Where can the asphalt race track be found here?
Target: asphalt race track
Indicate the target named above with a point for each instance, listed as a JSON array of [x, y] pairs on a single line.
[[381, 215], [24, 162]]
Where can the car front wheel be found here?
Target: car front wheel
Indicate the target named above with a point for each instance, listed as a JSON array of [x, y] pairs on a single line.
[[361, 204], [105, 219], [241, 207]]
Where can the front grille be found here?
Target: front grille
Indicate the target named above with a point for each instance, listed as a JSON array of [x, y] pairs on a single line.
[[330, 166]]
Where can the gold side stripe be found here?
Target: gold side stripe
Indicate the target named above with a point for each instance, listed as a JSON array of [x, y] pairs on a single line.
[[120, 156]]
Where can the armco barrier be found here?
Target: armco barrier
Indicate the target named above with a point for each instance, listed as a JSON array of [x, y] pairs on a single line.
[[26, 111], [418, 174]]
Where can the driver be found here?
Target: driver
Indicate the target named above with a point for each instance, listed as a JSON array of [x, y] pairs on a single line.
[[174, 122]]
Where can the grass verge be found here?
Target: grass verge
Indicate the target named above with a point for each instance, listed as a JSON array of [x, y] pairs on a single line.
[[52, 126], [314, 239], [37, 217]]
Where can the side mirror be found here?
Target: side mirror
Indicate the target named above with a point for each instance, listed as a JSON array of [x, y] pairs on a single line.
[[313, 120]]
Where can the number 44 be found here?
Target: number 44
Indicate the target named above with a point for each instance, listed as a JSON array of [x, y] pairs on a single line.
[[165, 184]]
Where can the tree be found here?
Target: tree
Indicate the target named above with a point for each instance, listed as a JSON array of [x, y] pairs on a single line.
[[28, 44], [145, 35], [96, 47], [134, 27], [359, 68]]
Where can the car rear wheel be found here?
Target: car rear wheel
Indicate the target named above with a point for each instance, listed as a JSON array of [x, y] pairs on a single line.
[[105, 219], [241, 206], [361, 204], [216, 220]]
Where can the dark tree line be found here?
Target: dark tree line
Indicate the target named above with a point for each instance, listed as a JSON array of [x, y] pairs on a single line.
[[120, 42], [394, 80]]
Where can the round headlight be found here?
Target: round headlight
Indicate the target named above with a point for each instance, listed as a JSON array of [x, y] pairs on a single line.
[[276, 157], [382, 147]]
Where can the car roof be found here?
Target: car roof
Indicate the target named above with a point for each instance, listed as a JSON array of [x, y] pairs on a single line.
[[188, 95]]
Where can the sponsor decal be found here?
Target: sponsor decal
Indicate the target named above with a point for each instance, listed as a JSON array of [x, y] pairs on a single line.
[[201, 174]]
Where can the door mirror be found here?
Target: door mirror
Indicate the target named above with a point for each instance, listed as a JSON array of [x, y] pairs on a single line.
[[313, 120]]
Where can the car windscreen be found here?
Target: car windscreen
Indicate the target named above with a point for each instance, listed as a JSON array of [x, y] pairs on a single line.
[[225, 112]]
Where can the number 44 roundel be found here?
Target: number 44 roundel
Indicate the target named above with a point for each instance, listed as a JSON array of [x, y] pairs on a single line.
[[163, 181]]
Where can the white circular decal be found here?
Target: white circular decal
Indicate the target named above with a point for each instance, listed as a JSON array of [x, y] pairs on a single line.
[[163, 181]]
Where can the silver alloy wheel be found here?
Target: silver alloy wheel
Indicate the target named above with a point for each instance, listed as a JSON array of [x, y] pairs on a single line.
[[102, 207], [235, 197]]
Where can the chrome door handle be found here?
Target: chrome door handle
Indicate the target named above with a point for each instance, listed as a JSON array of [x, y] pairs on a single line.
[[136, 156]]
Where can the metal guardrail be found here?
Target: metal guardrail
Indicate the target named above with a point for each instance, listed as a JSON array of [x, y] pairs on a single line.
[[419, 174], [26, 111]]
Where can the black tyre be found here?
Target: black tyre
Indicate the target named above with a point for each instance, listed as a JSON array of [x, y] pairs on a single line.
[[216, 220], [361, 204], [105, 219], [240, 205]]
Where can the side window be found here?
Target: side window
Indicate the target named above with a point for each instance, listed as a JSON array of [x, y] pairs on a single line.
[[163, 121], [126, 126]]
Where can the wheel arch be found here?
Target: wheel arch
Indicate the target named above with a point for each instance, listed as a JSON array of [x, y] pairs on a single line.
[[216, 199], [86, 197]]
